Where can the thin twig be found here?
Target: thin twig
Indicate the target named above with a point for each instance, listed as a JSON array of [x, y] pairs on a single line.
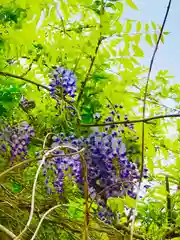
[[28, 70], [147, 83], [105, 228], [46, 213], [24, 79], [30, 66], [86, 195], [15, 219], [145, 120], [172, 233], [45, 140], [16, 166], [35, 160], [62, 21], [61, 205], [144, 111], [38, 85], [89, 71], [76, 29], [93, 57], [169, 214]]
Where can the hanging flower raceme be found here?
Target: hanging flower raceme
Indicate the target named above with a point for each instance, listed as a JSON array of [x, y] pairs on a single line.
[[17, 138], [110, 173], [63, 83]]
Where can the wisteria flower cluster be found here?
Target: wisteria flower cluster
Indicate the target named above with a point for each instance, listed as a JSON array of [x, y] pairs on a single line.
[[17, 139], [63, 83], [110, 173]]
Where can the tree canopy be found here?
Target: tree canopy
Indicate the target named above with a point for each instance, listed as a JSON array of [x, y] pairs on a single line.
[[86, 144]]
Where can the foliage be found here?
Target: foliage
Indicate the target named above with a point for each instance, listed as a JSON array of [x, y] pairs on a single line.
[[98, 80]]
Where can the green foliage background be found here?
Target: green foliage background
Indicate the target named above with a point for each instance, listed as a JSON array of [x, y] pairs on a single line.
[[92, 39]]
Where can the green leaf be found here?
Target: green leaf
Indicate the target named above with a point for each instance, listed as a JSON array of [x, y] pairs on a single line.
[[146, 27], [131, 4], [150, 164], [148, 39], [178, 124], [109, 4], [119, 6], [87, 118], [130, 202], [74, 210], [16, 187], [111, 202], [137, 38], [166, 33], [120, 203], [137, 51], [162, 39], [153, 25], [3, 110], [155, 36], [119, 27], [116, 204], [138, 26], [128, 26], [159, 193]]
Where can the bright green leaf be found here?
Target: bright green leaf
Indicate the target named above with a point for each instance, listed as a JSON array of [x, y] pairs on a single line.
[[116, 204], [138, 26], [137, 51], [150, 164], [128, 26], [148, 39], [162, 39], [155, 37], [178, 124], [119, 27], [16, 187], [166, 33], [119, 6], [109, 4], [153, 25], [130, 202], [131, 4], [146, 27]]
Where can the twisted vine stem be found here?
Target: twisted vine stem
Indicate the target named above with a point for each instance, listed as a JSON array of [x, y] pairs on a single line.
[[35, 182], [7, 232]]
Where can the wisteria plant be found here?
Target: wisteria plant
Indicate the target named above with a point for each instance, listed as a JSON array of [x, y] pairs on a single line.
[[83, 127]]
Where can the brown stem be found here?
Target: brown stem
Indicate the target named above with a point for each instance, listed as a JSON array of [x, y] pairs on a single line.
[[94, 57], [169, 214], [89, 71], [24, 79], [145, 120], [86, 194], [38, 85]]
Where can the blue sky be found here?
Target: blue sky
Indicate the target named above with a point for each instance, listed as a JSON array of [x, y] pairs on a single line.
[[168, 54]]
